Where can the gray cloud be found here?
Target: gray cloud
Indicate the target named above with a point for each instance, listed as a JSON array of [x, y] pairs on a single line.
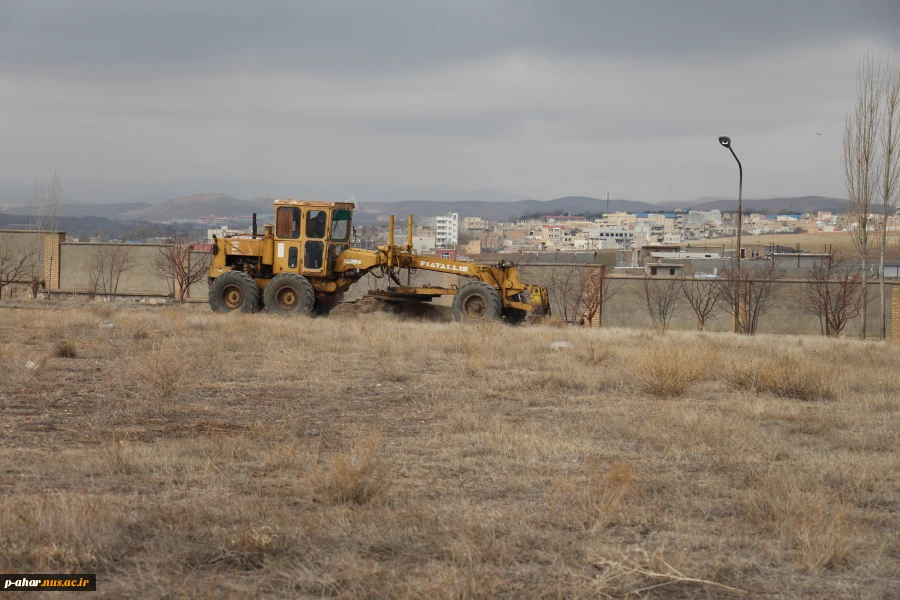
[[545, 98]]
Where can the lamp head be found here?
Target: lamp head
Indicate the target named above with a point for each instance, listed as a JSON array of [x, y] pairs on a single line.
[[725, 141]]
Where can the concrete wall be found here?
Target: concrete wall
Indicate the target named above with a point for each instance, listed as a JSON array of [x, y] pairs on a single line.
[[25, 243], [783, 316], [199, 292], [140, 279], [623, 310]]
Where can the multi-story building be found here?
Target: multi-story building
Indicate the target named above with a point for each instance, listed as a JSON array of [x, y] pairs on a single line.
[[446, 230], [476, 223]]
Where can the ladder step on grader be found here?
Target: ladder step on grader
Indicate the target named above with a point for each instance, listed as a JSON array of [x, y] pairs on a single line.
[[303, 263]]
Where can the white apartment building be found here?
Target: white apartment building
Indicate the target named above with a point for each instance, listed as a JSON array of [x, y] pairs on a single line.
[[222, 231], [446, 230]]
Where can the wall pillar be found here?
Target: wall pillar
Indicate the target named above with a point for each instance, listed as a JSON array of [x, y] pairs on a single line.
[[52, 242]]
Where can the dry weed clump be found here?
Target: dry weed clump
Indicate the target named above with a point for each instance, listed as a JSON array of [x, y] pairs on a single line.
[[359, 476], [595, 500], [65, 349], [20, 368], [59, 531], [669, 370], [169, 366], [594, 355], [249, 547], [810, 527], [786, 376]]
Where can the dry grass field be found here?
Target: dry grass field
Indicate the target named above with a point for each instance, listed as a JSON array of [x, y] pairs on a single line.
[[183, 454], [840, 243]]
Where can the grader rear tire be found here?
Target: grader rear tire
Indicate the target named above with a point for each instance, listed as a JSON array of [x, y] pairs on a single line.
[[289, 294], [476, 302], [234, 291]]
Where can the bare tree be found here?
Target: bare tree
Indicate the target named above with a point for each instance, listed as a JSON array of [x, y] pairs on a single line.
[[704, 297], [889, 88], [45, 207], [106, 269], [598, 290], [749, 292], [181, 267], [662, 298], [833, 293], [567, 284], [14, 266], [859, 158]]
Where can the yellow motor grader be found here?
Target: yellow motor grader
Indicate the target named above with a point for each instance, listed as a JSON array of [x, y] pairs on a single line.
[[304, 263]]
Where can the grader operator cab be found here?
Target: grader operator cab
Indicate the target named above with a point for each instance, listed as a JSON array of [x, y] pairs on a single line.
[[305, 263]]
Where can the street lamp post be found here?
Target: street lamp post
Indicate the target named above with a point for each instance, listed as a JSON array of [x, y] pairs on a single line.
[[726, 142]]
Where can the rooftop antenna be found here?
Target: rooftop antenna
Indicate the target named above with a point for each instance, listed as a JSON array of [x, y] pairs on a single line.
[[607, 202]]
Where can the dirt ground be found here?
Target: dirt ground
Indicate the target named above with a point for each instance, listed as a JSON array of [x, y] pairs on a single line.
[[183, 454]]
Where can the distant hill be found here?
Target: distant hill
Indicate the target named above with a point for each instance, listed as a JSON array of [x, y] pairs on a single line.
[[501, 211], [107, 211], [222, 205], [800, 204], [192, 207], [68, 224]]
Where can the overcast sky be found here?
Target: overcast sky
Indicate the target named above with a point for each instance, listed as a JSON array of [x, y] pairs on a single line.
[[535, 97]]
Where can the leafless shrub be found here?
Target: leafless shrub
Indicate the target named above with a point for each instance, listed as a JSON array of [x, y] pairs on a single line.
[[106, 268], [832, 293], [747, 292], [704, 297], [14, 266], [356, 477], [669, 370], [661, 297], [566, 285], [598, 290], [181, 266], [65, 349]]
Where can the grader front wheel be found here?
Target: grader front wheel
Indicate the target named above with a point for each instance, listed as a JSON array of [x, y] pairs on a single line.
[[476, 302]]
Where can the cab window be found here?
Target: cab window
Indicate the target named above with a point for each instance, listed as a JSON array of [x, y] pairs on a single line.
[[340, 226], [315, 224], [287, 222], [313, 254]]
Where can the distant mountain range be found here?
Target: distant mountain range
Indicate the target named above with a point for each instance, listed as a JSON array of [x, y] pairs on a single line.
[[71, 209], [222, 205], [192, 207], [799, 204]]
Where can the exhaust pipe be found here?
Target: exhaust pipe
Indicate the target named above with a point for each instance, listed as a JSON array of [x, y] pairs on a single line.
[[253, 231]]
